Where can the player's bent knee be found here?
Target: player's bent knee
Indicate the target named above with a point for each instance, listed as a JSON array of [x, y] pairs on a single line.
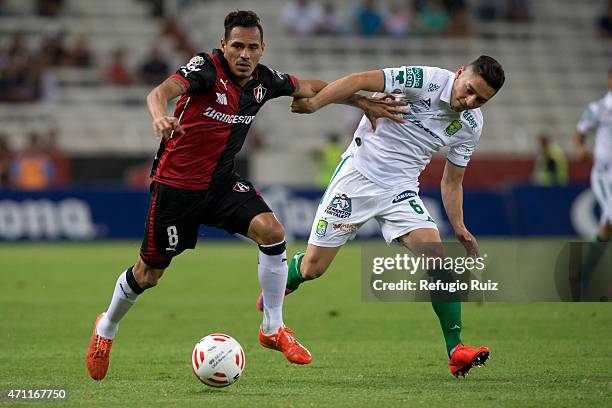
[[274, 234]]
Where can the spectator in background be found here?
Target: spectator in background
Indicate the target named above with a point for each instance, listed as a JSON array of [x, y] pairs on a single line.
[[32, 169], [434, 17], [5, 9], [61, 162], [17, 47], [550, 167], [460, 20], [301, 17], [6, 158], [368, 19], [327, 158], [118, 73], [604, 22], [490, 10], [398, 22], [20, 80], [171, 29], [518, 11], [52, 50], [330, 23], [79, 55], [49, 8], [154, 68]]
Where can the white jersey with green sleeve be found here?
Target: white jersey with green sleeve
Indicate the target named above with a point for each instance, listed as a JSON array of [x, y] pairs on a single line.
[[396, 153], [598, 117]]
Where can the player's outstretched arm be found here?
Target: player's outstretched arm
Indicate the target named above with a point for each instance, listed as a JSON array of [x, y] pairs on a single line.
[[341, 90], [306, 97], [307, 88], [452, 197], [157, 104]]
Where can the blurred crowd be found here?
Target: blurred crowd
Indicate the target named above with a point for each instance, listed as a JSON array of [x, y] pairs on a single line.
[[398, 18], [25, 62]]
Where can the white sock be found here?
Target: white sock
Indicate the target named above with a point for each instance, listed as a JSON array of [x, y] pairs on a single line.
[[272, 272], [124, 298]]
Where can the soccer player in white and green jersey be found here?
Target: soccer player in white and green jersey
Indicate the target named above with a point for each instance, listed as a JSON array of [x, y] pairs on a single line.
[[378, 175], [598, 118]]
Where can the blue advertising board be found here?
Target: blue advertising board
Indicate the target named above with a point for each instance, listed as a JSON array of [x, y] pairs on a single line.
[[102, 213]]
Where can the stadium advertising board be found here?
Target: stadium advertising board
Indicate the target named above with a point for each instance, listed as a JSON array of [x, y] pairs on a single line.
[[90, 214]]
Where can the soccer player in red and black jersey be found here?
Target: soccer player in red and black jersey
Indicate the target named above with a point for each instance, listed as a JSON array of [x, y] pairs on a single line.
[[194, 180]]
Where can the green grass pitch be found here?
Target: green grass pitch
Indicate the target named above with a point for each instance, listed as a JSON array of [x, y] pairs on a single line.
[[365, 354]]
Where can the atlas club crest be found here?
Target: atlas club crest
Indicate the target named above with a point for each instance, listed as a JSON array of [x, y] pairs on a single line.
[[259, 92]]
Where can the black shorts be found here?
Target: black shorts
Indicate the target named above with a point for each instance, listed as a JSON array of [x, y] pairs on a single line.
[[175, 216]]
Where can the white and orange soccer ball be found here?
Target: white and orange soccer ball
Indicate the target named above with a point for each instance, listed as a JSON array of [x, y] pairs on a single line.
[[218, 360]]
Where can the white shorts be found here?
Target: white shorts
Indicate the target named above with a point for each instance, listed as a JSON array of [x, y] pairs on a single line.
[[601, 184], [351, 200]]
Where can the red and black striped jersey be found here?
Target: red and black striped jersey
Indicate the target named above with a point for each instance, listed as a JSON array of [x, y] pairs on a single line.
[[215, 114]]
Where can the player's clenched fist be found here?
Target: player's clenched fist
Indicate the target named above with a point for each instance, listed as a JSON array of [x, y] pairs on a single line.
[[164, 127]]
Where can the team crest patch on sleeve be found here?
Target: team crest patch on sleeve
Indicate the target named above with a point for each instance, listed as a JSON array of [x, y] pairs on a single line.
[[193, 65], [321, 228], [414, 77], [259, 92], [340, 206], [241, 187], [453, 128]]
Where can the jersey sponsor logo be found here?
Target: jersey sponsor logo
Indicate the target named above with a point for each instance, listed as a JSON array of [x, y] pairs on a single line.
[[340, 206], [221, 98], [241, 187], [420, 105], [433, 87], [467, 115], [404, 195], [321, 229], [418, 124], [227, 118], [259, 92], [414, 77], [343, 227], [453, 128], [193, 65], [400, 77]]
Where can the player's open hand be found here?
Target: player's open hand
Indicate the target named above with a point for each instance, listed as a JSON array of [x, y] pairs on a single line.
[[384, 106], [166, 127], [302, 105], [469, 243]]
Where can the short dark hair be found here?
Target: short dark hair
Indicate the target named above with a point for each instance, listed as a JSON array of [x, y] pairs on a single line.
[[242, 18], [490, 70]]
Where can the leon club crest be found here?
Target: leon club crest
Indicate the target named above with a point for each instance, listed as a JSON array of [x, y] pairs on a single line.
[[259, 92]]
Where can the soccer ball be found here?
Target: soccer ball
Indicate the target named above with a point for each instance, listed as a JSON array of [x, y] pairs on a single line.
[[218, 360]]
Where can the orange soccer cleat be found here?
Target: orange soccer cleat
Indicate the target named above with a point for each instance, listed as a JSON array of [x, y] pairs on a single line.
[[98, 354], [284, 340], [466, 357]]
